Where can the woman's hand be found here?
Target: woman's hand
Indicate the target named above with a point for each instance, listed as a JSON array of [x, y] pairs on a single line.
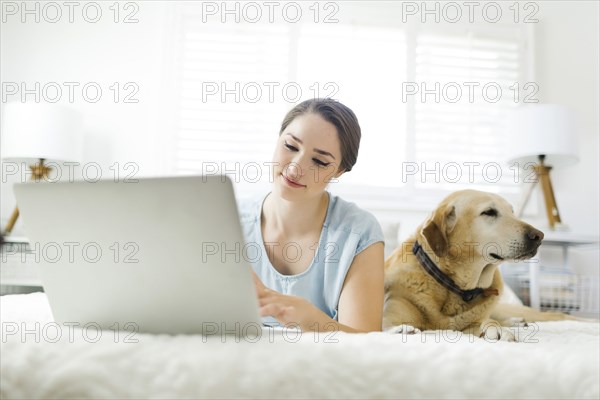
[[290, 310], [257, 282]]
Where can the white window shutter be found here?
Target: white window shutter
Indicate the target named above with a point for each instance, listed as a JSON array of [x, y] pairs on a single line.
[[457, 129]]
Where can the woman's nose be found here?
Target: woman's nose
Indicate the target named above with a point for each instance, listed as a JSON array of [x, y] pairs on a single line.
[[295, 169]]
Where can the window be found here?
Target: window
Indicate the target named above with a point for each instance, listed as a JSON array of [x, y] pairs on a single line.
[[466, 83], [235, 83], [224, 68]]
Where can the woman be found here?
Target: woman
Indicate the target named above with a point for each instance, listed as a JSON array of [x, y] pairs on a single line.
[[321, 261]]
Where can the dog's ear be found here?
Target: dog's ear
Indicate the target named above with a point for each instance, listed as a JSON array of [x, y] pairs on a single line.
[[438, 227]]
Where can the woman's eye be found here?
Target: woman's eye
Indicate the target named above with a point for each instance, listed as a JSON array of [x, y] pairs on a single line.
[[315, 160], [290, 147], [320, 163], [492, 212]]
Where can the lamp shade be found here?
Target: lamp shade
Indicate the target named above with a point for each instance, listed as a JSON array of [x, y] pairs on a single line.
[[31, 131], [542, 129]]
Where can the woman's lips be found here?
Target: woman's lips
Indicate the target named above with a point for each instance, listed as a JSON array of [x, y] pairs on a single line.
[[292, 183]]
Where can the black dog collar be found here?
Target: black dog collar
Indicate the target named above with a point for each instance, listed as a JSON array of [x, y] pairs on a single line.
[[433, 270]]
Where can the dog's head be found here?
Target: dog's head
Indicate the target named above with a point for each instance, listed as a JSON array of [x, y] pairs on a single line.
[[473, 225]]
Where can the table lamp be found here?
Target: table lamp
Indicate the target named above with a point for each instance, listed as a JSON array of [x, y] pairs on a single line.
[[35, 133], [542, 136]]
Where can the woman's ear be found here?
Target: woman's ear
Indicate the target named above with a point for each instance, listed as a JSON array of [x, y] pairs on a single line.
[[339, 173], [334, 175]]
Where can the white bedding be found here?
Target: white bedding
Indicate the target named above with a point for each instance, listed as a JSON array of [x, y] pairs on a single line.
[[556, 360]]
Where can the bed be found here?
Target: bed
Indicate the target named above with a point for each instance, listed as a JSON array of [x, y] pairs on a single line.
[[553, 360]]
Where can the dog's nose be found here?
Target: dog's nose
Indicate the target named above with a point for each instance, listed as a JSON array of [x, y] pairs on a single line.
[[535, 235]]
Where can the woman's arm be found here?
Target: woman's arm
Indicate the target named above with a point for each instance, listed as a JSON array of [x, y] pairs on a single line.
[[361, 302]]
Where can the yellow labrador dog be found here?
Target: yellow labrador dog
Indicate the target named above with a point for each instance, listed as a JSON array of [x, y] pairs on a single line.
[[446, 276]]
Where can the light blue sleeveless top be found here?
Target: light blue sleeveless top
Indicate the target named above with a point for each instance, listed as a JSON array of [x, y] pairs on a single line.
[[347, 231]]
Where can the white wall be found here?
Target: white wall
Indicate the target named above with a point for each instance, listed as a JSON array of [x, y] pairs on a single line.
[[567, 71]]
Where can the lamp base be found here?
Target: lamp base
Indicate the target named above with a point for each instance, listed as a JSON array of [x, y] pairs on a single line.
[[38, 172], [543, 177], [543, 173]]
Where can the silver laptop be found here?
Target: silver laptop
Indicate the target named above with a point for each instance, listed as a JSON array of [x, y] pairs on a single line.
[[161, 255]]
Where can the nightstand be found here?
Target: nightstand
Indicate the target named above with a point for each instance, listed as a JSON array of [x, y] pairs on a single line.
[[19, 271], [562, 239]]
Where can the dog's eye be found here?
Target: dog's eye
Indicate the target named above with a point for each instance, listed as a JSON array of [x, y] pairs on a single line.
[[492, 212]]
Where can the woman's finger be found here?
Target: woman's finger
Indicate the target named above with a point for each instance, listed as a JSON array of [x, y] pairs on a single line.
[[279, 311], [257, 282], [269, 299], [272, 310]]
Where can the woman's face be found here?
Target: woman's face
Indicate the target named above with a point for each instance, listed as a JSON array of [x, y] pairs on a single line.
[[307, 156]]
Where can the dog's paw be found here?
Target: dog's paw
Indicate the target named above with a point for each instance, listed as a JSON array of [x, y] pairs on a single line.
[[403, 329], [495, 333], [515, 322]]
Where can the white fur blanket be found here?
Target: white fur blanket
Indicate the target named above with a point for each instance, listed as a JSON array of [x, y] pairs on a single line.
[[554, 360]]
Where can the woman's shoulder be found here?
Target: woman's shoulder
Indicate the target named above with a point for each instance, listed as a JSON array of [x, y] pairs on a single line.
[[348, 216], [249, 207]]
